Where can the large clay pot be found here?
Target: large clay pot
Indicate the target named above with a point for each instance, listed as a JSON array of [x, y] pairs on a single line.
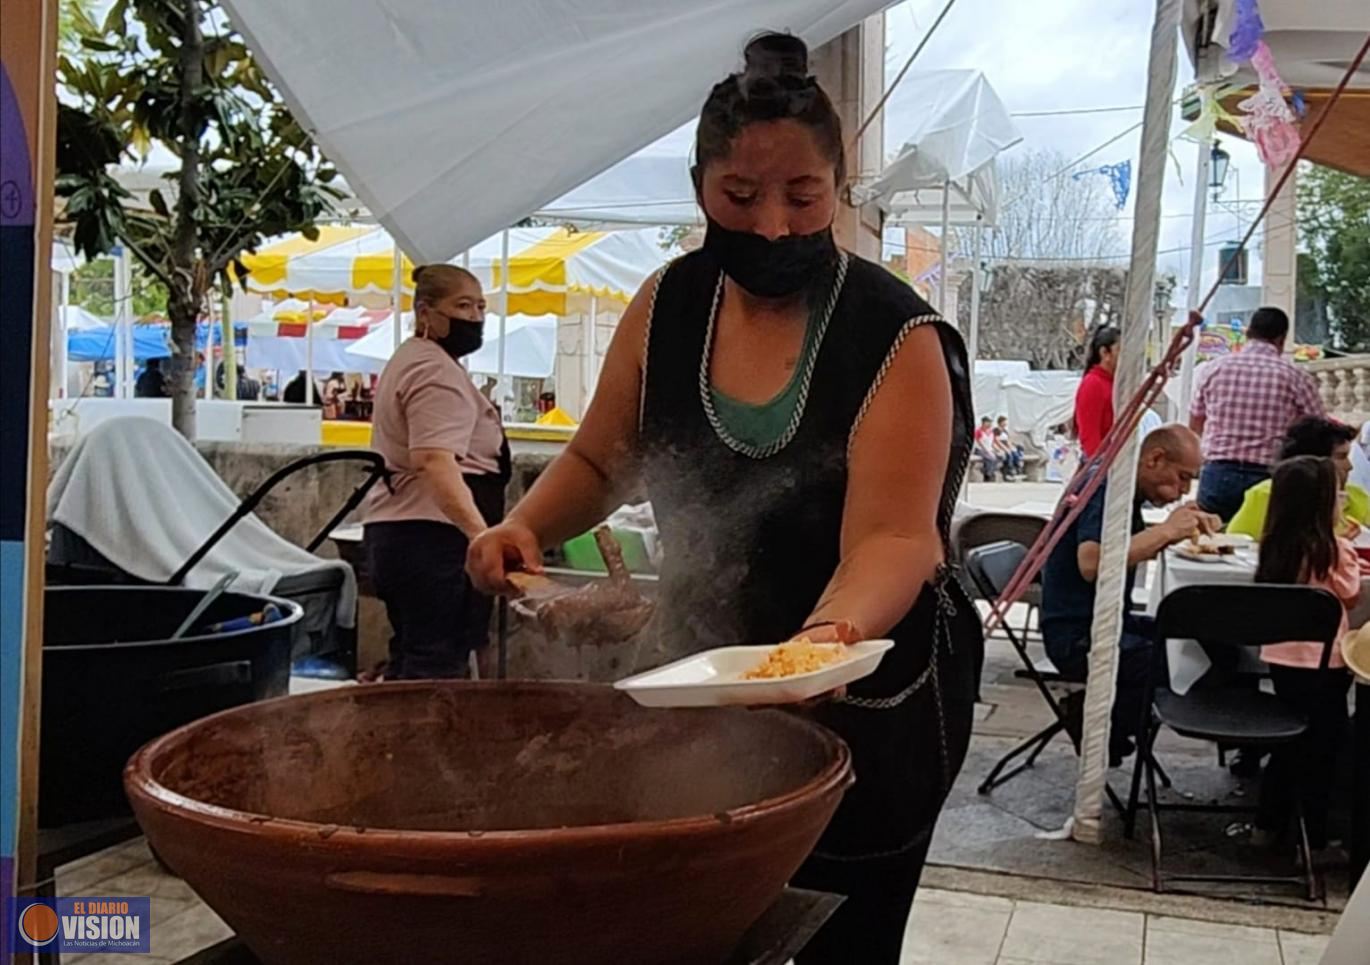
[[490, 823]]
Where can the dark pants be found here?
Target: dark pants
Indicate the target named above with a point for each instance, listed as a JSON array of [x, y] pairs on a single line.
[[869, 925], [1013, 462], [989, 465], [1304, 771], [1135, 684], [1223, 484], [419, 571], [906, 759]]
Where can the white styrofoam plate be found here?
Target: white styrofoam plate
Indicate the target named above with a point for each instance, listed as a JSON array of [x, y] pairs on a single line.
[[714, 678]]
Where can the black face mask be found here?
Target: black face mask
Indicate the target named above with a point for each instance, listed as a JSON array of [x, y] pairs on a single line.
[[771, 269], [463, 337]]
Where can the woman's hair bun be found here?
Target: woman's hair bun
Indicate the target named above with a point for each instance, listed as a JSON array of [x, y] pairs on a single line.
[[775, 55]]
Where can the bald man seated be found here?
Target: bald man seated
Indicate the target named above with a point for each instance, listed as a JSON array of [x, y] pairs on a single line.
[[1169, 462]]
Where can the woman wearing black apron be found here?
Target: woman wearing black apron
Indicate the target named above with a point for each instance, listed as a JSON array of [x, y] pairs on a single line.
[[444, 445], [802, 420]]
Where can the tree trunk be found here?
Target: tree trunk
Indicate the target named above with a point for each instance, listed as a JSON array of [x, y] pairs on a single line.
[[187, 272], [181, 379]]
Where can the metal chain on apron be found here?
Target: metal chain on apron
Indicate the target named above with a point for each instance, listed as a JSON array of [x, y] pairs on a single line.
[[946, 610]]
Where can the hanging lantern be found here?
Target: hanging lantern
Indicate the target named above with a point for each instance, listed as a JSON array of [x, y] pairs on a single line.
[[1217, 169]]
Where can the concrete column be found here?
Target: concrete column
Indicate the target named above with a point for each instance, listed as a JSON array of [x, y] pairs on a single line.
[[1280, 258], [852, 70]]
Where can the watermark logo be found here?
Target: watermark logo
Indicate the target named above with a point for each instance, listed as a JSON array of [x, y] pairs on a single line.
[[80, 925]]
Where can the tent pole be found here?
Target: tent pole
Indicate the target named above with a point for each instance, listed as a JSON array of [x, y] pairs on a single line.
[[64, 299], [1196, 272], [121, 298], [397, 299], [942, 269], [587, 362], [973, 342], [1138, 307], [309, 353], [504, 298]]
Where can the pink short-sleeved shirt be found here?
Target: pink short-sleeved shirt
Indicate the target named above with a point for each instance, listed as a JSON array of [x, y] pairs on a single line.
[[425, 400], [1247, 400]]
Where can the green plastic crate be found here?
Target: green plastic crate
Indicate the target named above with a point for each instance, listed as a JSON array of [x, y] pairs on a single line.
[[582, 553]]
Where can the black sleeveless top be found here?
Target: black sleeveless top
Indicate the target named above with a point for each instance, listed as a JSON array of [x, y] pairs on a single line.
[[751, 542], [752, 538]]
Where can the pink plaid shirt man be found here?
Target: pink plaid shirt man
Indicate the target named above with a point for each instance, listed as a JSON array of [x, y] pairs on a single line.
[[1247, 400]]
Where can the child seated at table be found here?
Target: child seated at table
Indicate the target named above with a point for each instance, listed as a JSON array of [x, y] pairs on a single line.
[[1300, 545]]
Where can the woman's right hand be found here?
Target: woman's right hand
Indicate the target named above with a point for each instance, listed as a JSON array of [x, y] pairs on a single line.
[[500, 550]]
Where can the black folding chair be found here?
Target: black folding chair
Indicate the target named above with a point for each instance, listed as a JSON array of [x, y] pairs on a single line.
[[1217, 617], [990, 568], [984, 528]]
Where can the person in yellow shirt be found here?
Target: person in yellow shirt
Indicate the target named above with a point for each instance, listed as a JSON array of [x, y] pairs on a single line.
[[1310, 436]]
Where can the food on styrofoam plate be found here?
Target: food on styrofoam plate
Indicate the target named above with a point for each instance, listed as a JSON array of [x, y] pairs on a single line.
[[1206, 544], [795, 657]]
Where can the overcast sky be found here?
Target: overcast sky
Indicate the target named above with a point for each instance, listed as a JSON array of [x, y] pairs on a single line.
[[1068, 54]]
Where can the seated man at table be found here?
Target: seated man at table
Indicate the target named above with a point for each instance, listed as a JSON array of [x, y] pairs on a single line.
[[1310, 436], [1169, 461]]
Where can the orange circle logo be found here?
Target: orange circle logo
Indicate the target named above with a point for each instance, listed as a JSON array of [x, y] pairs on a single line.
[[38, 924]]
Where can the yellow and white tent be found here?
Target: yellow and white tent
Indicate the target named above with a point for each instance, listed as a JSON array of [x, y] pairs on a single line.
[[547, 266]]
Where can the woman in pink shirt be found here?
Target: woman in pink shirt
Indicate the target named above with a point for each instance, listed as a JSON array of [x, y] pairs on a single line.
[[444, 445], [1094, 397], [1300, 545]]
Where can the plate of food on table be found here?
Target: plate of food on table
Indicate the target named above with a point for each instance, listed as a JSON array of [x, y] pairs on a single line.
[[786, 673], [1213, 547]]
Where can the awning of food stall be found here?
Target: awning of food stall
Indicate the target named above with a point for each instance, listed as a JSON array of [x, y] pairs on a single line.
[[1312, 44], [462, 119], [546, 265]]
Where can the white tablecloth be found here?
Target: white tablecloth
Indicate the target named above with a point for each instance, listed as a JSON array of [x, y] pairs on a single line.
[[1188, 662]]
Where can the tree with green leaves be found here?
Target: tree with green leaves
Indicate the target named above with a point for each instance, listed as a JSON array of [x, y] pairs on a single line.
[[180, 82], [92, 287], [1334, 225]]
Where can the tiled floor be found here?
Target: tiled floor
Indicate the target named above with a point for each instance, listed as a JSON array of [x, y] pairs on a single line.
[[954, 928], [946, 928]]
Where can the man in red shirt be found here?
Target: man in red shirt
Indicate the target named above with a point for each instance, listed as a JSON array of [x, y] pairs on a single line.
[[1243, 404]]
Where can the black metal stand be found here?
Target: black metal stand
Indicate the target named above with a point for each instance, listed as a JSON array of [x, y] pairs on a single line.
[[779, 935]]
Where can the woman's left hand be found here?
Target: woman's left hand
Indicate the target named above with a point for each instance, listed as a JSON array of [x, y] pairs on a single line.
[[839, 631]]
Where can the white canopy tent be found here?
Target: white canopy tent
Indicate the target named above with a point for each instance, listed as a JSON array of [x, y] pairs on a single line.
[[545, 265], [530, 346], [650, 187], [1034, 401], [550, 93], [74, 318], [951, 126]]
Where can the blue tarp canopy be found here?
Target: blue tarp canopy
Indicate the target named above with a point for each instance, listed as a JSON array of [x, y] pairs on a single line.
[[149, 342]]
